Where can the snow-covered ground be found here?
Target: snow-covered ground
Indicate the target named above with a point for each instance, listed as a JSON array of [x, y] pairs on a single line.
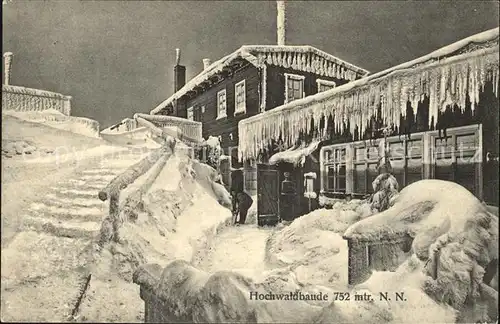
[[185, 218], [310, 255]]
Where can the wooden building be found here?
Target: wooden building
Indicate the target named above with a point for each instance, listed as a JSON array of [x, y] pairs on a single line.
[[439, 113], [247, 82]]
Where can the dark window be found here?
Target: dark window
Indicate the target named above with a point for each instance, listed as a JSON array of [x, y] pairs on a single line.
[[335, 164], [455, 158], [294, 87]]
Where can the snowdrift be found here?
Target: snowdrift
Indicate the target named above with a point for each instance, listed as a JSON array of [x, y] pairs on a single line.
[[417, 307], [31, 140], [56, 119], [456, 237], [181, 211], [186, 294], [137, 136], [440, 216], [312, 244]]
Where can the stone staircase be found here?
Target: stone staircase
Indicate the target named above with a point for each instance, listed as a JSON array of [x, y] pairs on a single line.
[[42, 267]]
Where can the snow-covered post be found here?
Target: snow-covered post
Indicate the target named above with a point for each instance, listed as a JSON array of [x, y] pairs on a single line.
[[8, 67], [385, 164], [309, 192], [281, 22], [67, 106]]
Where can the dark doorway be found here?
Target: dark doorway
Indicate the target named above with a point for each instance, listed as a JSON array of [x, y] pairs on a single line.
[[267, 195]]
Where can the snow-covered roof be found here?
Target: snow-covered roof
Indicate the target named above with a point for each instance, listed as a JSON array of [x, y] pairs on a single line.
[[357, 101], [302, 58], [296, 156], [33, 92]]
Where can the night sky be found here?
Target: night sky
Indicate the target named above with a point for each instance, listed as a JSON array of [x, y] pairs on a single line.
[[116, 57]]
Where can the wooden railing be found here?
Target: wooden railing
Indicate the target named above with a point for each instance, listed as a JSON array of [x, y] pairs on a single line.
[[116, 217], [183, 129], [170, 130]]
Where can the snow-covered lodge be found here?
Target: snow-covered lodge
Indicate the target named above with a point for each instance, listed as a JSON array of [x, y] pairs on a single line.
[[252, 80], [435, 117]]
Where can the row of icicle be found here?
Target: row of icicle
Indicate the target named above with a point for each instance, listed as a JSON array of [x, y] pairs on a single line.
[[446, 83], [309, 62]]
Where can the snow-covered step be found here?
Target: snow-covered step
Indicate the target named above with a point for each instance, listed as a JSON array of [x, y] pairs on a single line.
[[64, 228], [80, 184], [99, 171], [76, 192], [94, 177], [53, 199], [68, 212]]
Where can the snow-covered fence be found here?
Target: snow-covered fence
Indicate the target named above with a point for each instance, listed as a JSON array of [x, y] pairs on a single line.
[[26, 99], [185, 130], [381, 255], [111, 224]]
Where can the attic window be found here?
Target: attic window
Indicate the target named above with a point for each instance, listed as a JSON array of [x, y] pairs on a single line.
[[324, 85], [221, 104], [190, 113], [294, 87]]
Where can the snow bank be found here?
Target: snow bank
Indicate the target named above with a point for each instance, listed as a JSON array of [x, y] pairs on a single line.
[[191, 295], [312, 244], [64, 155], [56, 119], [417, 307], [180, 211]]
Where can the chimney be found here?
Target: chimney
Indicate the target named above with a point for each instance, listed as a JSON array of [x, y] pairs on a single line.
[[7, 67], [281, 22], [179, 72], [206, 63]]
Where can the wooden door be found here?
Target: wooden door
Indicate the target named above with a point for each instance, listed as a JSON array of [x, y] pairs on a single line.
[[225, 172], [267, 195]]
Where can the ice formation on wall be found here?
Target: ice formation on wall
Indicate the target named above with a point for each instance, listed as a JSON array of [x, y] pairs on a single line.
[[445, 81], [24, 99]]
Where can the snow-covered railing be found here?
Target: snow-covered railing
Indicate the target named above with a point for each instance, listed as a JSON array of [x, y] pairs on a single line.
[[185, 130], [116, 217], [26, 99], [447, 76]]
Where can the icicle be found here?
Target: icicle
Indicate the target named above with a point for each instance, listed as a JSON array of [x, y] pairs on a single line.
[[284, 60], [322, 66], [308, 62], [330, 69], [293, 60], [269, 59]]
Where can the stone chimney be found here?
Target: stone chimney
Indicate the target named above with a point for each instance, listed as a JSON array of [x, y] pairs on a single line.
[[281, 23], [7, 67], [206, 63], [179, 72]]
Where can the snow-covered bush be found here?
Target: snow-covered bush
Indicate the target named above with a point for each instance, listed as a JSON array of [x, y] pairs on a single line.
[[385, 188], [210, 151]]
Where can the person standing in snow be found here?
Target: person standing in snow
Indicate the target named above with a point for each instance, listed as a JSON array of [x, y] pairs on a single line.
[[241, 204], [241, 201]]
